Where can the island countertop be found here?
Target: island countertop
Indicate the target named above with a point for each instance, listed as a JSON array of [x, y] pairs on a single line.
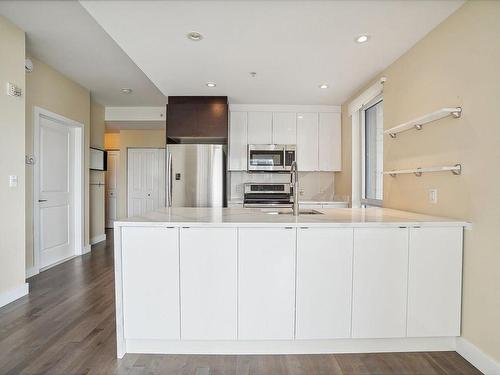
[[240, 217]]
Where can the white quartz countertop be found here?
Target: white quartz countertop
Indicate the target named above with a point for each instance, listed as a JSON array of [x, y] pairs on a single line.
[[332, 217]]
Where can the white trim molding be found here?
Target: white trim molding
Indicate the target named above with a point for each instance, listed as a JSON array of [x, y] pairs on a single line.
[[97, 239], [366, 96], [479, 359], [32, 271], [283, 108], [135, 113], [13, 294], [86, 249]]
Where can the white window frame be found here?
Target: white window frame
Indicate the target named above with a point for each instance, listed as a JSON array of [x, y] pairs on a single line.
[[356, 112], [367, 201]]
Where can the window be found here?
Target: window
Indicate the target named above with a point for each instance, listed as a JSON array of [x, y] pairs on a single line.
[[372, 149]]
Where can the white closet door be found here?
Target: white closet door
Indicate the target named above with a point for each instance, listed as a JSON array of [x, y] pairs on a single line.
[[146, 180]]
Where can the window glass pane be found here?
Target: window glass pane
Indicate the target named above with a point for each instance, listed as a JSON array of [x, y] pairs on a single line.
[[374, 152]]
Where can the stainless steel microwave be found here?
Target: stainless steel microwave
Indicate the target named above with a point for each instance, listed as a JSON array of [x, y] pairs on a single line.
[[271, 158]]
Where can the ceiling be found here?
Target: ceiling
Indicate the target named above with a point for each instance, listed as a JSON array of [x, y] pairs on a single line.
[[294, 46], [63, 35]]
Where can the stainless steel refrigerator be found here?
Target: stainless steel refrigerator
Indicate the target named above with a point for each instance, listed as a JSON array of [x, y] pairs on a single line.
[[196, 175]]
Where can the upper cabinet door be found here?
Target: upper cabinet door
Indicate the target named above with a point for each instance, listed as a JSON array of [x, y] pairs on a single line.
[[329, 142], [307, 141], [435, 282], [284, 128], [238, 141], [380, 270], [260, 128]]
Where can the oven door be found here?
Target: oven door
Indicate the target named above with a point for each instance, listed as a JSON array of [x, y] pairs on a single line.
[[266, 158]]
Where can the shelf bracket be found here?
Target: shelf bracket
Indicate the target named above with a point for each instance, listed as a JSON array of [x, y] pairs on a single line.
[[458, 171], [393, 135], [457, 113], [418, 127], [418, 173]]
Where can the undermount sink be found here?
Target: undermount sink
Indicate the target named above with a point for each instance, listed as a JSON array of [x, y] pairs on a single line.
[[290, 212]]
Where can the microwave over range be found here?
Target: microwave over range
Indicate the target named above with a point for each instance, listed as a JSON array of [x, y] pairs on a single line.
[[271, 158]]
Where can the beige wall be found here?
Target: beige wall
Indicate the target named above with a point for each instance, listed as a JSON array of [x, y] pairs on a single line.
[[48, 89], [12, 233], [96, 192], [457, 64], [129, 139]]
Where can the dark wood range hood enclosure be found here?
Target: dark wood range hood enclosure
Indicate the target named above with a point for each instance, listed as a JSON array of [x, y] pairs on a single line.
[[197, 119]]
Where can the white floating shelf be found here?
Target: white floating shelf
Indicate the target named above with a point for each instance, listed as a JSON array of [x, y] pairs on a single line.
[[417, 123], [455, 169]]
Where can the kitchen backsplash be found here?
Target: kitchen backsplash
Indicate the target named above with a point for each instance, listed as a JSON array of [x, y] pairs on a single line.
[[317, 186]]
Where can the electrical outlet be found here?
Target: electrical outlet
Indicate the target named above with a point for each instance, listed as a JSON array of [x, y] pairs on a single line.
[[433, 196], [12, 181]]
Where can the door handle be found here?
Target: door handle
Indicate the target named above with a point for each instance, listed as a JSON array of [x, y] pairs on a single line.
[[170, 179], [42, 200]]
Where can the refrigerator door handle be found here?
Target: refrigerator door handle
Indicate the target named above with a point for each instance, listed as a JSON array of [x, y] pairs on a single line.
[[170, 185]]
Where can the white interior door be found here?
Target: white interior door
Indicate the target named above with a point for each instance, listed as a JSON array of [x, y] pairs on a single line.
[[146, 180], [112, 187], [56, 190]]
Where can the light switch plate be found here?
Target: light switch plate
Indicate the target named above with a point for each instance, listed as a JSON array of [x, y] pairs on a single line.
[[12, 181]]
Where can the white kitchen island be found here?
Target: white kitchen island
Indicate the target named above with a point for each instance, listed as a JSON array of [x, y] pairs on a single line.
[[244, 281]]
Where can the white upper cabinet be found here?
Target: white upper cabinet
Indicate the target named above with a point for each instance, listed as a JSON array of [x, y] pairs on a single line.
[[316, 130], [434, 282], [260, 127], [208, 268], [380, 270], [266, 283], [324, 283], [238, 141], [284, 128], [307, 141], [330, 142], [150, 274]]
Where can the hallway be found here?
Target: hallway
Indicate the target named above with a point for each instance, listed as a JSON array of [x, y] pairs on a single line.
[[67, 326]]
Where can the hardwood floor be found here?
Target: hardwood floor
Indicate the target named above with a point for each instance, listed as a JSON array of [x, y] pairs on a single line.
[[66, 326]]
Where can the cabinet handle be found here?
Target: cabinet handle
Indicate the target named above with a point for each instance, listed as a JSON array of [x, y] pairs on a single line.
[[304, 227], [403, 227], [288, 227], [170, 227], [186, 227]]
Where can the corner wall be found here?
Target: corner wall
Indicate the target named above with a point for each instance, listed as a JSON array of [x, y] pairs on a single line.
[[456, 64], [96, 178], [12, 233]]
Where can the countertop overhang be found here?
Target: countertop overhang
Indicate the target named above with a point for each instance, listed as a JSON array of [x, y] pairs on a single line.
[[241, 217]]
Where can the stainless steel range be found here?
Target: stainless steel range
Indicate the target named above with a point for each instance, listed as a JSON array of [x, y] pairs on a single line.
[[262, 195]]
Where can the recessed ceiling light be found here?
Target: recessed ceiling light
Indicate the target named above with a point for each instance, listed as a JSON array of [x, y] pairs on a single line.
[[126, 90], [211, 84], [300, 116], [323, 86], [195, 36], [362, 38]]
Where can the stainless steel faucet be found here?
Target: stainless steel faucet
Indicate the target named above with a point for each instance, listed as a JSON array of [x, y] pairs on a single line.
[[295, 184]]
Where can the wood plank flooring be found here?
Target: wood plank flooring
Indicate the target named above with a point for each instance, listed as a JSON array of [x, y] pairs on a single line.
[[67, 326]]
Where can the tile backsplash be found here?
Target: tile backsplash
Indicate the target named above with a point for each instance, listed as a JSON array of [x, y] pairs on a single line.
[[316, 186]]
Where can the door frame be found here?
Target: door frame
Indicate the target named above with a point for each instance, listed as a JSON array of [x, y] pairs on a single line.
[[117, 189], [78, 175]]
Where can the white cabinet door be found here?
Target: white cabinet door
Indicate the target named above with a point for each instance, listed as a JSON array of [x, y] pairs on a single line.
[[208, 283], [266, 284], [434, 282], [330, 142], [307, 141], [324, 283], [380, 272], [238, 141], [284, 128], [260, 127], [150, 261]]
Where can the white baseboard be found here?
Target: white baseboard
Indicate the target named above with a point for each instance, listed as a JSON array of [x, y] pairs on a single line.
[[98, 239], [291, 346], [86, 249], [32, 271], [482, 361], [12, 294]]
